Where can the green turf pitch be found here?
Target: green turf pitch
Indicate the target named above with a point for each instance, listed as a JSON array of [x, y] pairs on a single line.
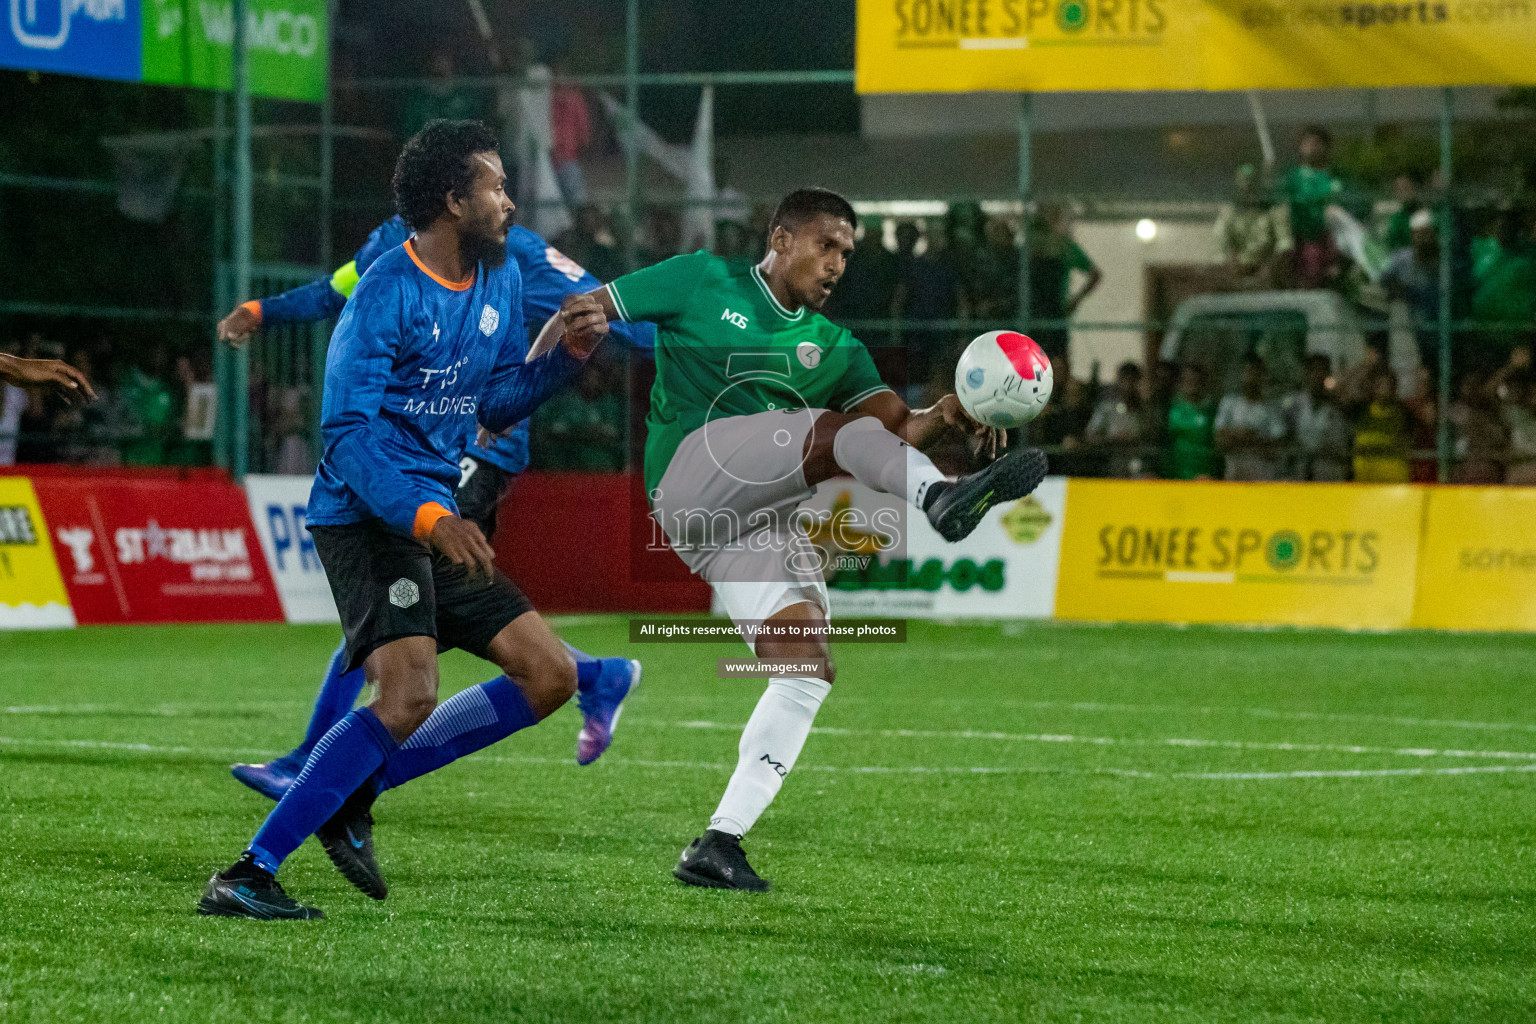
[[992, 823]]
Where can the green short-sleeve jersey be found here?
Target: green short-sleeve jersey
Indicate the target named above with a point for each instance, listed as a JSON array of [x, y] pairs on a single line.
[[726, 347]]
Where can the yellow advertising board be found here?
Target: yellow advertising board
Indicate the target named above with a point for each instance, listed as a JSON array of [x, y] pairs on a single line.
[[31, 590], [1090, 45], [1301, 554], [1477, 566]]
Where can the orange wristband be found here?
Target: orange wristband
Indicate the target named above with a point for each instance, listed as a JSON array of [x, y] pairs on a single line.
[[255, 308], [426, 518]]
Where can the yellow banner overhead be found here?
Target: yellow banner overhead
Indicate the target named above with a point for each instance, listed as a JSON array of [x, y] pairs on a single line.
[[1302, 554], [1091, 45], [1477, 569]]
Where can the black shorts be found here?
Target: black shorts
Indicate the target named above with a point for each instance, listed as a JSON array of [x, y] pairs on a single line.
[[481, 486], [388, 587]]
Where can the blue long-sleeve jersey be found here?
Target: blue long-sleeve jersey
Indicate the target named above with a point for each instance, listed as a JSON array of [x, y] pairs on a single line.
[[415, 362], [548, 276]]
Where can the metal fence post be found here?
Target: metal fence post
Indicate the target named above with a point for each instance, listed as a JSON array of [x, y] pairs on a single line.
[[1447, 226], [1026, 189], [222, 356], [631, 192], [241, 237]]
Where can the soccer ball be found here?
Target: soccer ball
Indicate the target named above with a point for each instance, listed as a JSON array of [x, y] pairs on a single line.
[[1003, 379]]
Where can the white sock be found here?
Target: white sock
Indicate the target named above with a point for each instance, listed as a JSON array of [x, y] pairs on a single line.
[[878, 458], [770, 744]]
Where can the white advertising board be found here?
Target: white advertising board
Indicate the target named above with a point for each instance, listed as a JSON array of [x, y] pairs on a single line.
[[278, 505], [883, 559]]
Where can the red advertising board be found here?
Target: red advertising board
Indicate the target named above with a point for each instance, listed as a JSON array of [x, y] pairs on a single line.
[[576, 542], [157, 550]]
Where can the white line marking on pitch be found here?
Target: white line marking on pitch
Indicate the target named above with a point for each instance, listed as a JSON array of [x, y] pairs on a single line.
[[1131, 773], [197, 709], [1299, 716], [1132, 741]]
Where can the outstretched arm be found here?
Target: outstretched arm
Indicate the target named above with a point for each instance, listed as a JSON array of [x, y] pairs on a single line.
[[517, 388], [54, 373], [310, 303], [599, 299]]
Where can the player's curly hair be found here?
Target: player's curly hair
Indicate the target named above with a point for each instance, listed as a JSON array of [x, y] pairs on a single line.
[[433, 163], [803, 204]]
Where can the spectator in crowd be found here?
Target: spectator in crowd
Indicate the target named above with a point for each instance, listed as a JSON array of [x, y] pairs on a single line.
[[571, 120], [13, 402], [1053, 256], [37, 441], [1316, 425], [1307, 190], [1423, 403], [1159, 387], [993, 286], [1064, 422], [867, 291], [591, 244], [1383, 431], [963, 230], [1118, 424], [440, 97], [1405, 197], [1519, 413], [1510, 390], [1413, 276], [1478, 432], [150, 408], [663, 235], [1191, 452], [289, 451], [926, 289], [1504, 295], [88, 433], [1249, 428], [1250, 234], [581, 429], [733, 246], [196, 405]]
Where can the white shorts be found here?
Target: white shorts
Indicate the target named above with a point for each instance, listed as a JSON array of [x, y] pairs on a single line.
[[728, 503]]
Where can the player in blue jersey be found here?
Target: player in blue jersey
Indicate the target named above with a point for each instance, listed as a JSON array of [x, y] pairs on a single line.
[[431, 344], [548, 276]]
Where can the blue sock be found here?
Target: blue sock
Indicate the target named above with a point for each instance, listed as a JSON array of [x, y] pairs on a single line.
[[588, 668], [464, 723], [343, 760], [337, 695]]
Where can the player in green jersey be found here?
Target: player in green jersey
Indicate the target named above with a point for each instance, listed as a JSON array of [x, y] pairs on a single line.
[[759, 398]]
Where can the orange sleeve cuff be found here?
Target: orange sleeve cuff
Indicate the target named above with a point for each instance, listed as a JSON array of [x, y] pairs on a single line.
[[426, 518], [255, 308]]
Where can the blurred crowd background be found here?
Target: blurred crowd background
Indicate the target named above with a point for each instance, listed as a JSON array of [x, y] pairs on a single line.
[[120, 286]]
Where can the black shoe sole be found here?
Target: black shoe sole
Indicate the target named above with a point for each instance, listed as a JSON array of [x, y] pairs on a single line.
[[370, 883], [682, 874], [211, 908], [960, 509]]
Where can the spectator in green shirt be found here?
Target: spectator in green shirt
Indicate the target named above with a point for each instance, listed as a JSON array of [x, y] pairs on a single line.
[[1504, 295], [1308, 189], [1053, 256], [1191, 429], [581, 429], [440, 98], [151, 410]]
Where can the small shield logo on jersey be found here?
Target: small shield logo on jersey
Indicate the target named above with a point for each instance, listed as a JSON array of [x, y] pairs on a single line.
[[403, 593], [489, 318], [810, 355]]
